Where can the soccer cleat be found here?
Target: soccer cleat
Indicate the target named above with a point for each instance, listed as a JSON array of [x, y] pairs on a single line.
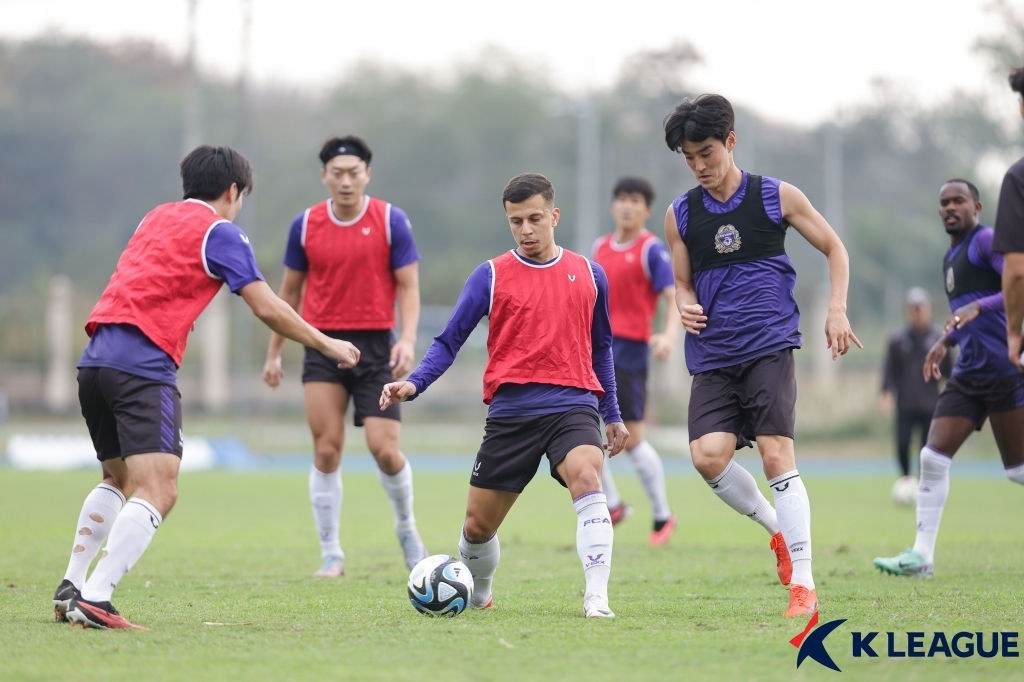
[[98, 614], [595, 606], [620, 513], [334, 567], [61, 598], [661, 537], [412, 547], [907, 563], [489, 604], [802, 602], [782, 562]]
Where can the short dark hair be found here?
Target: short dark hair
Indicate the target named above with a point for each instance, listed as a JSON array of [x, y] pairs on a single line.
[[632, 184], [207, 172], [695, 120], [1017, 81], [526, 185], [975, 194], [356, 146]]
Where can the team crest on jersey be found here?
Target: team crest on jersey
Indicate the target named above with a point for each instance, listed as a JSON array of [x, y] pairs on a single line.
[[727, 239], [950, 282]]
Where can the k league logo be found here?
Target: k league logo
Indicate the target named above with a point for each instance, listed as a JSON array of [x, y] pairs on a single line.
[[811, 644]]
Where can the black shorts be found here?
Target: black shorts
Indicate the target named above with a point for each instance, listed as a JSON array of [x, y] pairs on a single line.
[[127, 414], [753, 398], [365, 381], [975, 398], [513, 447], [631, 390]]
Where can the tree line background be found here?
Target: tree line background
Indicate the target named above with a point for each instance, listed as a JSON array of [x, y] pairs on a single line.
[[91, 135]]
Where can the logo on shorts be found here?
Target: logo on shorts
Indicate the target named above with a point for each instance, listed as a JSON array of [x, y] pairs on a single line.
[[727, 239], [950, 282], [476, 469]]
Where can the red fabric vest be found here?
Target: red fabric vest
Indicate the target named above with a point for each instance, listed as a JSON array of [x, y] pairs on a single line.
[[161, 284], [632, 301], [350, 284], [540, 324]]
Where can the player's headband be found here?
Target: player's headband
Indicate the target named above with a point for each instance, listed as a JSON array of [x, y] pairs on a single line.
[[344, 149]]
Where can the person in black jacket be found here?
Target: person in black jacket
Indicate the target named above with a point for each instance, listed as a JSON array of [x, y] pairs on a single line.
[[903, 384]]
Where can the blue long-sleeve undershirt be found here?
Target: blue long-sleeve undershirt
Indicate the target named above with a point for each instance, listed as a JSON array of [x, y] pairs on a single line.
[[524, 400]]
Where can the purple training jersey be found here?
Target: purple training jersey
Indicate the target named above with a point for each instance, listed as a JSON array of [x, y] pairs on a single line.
[[750, 306]]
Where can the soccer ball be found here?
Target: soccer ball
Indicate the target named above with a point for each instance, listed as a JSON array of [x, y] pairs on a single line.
[[904, 491], [440, 585]]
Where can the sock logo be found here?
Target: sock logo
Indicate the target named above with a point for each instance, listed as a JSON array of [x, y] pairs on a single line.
[[595, 561], [152, 519], [597, 519], [783, 488], [812, 644]]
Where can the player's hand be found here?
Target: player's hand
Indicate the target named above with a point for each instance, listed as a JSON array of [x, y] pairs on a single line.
[[839, 333], [1013, 343], [693, 318], [397, 392], [401, 357], [962, 316], [272, 372], [661, 346], [343, 352], [886, 403], [617, 434], [934, 359]]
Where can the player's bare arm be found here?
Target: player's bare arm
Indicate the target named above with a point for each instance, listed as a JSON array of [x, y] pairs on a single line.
[[663, 343], [1013, 295], [290, 293], [282, 318], [691, 313], [812, 226], [403, 352], [396, 392]]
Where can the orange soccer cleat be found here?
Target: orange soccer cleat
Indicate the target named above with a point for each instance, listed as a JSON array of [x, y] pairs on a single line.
[[802, 602], [661, 537], [782, 562], [620, 513]]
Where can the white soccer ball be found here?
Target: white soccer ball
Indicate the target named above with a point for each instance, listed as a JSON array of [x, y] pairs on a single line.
[[440, 585], [904, 491]]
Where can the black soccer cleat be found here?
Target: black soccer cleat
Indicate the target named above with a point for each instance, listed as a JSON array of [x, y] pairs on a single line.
[[98, 614], [61, 598]]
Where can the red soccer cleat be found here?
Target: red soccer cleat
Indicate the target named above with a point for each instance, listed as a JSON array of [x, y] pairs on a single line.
[[100, 615], [802, 602], [620, 513], [782, 561]]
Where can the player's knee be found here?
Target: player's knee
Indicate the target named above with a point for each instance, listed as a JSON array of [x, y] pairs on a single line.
[[706, 465], [327, 451], [477, 529]]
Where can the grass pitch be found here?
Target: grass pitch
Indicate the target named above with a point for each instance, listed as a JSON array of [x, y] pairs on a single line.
[[226, 587]]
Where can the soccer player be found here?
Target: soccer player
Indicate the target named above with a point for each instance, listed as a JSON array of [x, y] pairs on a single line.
[[984, 382], [734, 291], [549, 374], [174, 264], [639, 270], [347, 261], [1009, 239]]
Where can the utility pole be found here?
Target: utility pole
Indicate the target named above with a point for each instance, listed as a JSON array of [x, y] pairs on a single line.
[[588, 174], [213, 323], [825, 369]]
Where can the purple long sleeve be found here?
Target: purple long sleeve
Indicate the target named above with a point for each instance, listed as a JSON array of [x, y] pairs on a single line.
[[981, 255], [601, 341]]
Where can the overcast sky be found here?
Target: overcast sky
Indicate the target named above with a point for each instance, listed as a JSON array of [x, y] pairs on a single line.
[[792, 60]]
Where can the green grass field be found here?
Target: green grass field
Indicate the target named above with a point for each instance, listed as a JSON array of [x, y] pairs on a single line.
[[226, 588]]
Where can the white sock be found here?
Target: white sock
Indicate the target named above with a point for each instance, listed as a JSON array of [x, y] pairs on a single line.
[[129, 537], [794, 512], [1016, 474], [325, 495], [932, 492], [737, 488], [594, 538], [481, 558], [611, 492], [100, 509], [652, 475], [399, 490]]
